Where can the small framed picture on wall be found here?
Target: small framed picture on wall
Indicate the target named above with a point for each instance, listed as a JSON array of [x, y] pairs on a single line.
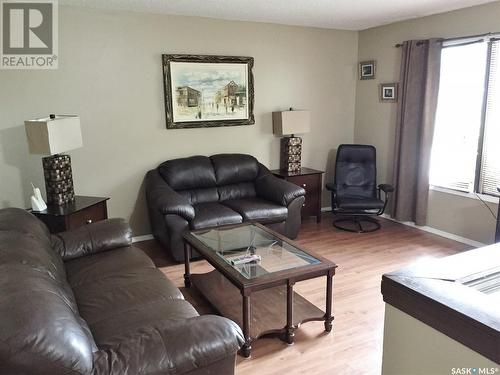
[[367, 70], [388, 92]]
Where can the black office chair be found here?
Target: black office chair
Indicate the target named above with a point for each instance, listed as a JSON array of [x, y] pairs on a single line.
[[355, 194]]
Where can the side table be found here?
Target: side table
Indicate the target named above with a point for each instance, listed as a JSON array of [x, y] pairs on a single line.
[[310, 180], [83, 210]]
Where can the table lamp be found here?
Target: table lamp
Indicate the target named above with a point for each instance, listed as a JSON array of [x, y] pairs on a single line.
[[290, 123], [52, 136]]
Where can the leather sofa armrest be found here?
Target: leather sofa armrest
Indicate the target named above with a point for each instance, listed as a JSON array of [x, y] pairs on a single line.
[[92, 238], [162, 197], [277, 190], [170, 347], [386, 188]]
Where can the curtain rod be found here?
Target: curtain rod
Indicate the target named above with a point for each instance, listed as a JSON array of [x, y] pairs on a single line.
[[458, 38]]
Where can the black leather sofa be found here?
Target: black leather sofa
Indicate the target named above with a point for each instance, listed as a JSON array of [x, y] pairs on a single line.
[[87, 302], [201, 192]]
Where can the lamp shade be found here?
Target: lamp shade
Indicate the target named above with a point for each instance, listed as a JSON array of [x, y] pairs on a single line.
[[291, 122], [53, 135]]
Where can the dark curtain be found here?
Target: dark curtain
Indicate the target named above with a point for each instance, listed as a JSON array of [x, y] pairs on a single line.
[[419, 84]]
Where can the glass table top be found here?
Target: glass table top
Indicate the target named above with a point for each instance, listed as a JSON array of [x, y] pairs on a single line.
[[275, 255]]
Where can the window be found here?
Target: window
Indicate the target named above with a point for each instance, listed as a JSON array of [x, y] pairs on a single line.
[[490, 158], [466, 151]]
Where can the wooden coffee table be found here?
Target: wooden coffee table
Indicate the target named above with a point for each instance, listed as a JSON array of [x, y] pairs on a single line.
[[276, 309]]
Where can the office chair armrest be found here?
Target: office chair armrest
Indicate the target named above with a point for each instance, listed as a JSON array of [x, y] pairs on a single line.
[[386, 188], [331, 186]]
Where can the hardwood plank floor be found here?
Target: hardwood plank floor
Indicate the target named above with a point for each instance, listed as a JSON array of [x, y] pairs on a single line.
[[355, 344]]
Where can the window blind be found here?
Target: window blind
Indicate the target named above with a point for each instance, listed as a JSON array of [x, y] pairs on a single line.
[[458, 116], [490, 163]]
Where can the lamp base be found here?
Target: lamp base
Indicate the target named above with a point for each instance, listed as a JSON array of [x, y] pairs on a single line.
[[58, 179], [291, 153]]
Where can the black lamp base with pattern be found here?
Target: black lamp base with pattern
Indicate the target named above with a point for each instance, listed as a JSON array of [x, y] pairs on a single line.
[[58, 179], [291, 153]]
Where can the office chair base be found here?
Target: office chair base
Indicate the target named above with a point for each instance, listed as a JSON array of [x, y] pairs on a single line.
[[355, 224]]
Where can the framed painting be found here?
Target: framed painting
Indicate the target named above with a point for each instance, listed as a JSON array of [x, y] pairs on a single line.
[[208, 91]]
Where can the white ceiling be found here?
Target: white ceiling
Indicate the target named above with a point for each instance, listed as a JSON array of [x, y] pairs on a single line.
[[333, 14]]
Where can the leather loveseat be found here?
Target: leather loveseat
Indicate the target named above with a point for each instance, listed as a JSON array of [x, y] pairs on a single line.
[[86, 302], [199, 192]]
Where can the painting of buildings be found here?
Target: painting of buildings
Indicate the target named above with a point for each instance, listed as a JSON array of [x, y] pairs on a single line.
[[204, 92], [231, 95], [188, 97]]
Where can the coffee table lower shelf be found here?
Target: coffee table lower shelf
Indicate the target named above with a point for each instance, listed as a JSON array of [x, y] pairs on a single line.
[[268, 308]]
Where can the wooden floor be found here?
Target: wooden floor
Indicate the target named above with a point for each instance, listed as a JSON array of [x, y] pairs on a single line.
[[355, 344]]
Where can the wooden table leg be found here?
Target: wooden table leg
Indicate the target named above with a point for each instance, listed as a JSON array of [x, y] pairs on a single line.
[[246, 348], [187, 271], [289, 334], [329, 296]]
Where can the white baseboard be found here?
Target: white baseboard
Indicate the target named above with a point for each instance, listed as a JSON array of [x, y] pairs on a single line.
[[438, 232], [145, 237], [442, 233]]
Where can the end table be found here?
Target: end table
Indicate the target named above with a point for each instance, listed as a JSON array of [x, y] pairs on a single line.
[[83, 210], [309, 179]]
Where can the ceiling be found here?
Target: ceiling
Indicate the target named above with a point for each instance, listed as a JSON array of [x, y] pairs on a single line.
[[333, 14]]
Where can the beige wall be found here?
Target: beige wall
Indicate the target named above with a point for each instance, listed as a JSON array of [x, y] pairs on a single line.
[[375, 122], [413, 348], [110, 74]]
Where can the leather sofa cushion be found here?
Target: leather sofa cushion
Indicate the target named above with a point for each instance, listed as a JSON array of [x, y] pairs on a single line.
[[121, 291], [258, 209], [200, 195], [358, 203], [111, 290], [188, 173], [234, 168], [237, 191], [214, 214], [84, 270], [131, 321]]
